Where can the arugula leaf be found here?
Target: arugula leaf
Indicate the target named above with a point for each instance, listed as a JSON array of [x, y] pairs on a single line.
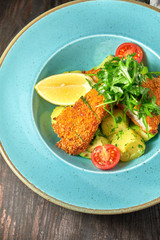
[[120, 80]]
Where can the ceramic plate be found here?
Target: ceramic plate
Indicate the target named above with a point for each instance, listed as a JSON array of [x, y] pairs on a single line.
[[77, 35]]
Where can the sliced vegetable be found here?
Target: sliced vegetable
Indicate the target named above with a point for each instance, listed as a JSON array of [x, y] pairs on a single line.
[[55, 113], [129, 48], [98, 141], [105, 157], [107, 59]]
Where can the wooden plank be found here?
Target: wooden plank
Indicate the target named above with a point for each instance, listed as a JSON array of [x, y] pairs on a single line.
[[15, 14]]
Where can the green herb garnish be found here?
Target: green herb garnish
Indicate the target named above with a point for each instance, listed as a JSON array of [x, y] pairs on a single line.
[[76, 133], [120, 81], [118, 119], [119, 134], [140, 146], [86, 102]]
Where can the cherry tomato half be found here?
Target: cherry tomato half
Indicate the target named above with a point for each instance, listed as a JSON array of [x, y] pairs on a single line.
[[129, 48], [105, 157]]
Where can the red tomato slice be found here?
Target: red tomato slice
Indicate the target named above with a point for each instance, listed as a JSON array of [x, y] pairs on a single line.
[[105, 157], [129, 48]]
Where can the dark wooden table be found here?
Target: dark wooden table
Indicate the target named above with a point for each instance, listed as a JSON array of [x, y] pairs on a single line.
[[23, 214]]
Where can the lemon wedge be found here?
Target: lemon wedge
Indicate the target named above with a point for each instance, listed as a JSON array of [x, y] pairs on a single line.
[[64, 89]]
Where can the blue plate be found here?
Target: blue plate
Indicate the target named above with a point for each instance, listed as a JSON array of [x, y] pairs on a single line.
[[77, 35]]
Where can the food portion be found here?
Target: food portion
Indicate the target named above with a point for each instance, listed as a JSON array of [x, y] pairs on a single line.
[[56, 112], [108, 124], [130, 144], [146, 137], [154, 86], [150, 123], [126, 49], [97, 141], [116, 112], [77, 124], [105, 157], [64, 89]]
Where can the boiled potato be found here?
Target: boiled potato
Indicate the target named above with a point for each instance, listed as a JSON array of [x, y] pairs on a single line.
[[108, 126], [130, 144]]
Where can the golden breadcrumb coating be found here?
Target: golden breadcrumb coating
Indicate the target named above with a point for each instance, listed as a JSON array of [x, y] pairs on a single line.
[[77, 125], [153, 122], [93, 71], [154, 85]]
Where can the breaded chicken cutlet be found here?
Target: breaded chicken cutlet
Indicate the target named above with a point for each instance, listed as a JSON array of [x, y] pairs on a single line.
[[93, 71], [153, 122], [154, 85], [77, 125]]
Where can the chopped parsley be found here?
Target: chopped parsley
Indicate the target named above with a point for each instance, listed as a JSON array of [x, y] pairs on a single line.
[[119, 134], [118, 119], [113, 129], [140, 146]]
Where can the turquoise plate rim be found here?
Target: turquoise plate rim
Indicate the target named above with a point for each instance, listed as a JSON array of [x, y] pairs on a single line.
[[23, 178]]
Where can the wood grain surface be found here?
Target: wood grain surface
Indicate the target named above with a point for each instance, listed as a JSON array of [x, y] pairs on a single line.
[[23, 214]]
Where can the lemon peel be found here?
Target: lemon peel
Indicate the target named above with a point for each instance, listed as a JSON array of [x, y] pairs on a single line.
[[64, 89]]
